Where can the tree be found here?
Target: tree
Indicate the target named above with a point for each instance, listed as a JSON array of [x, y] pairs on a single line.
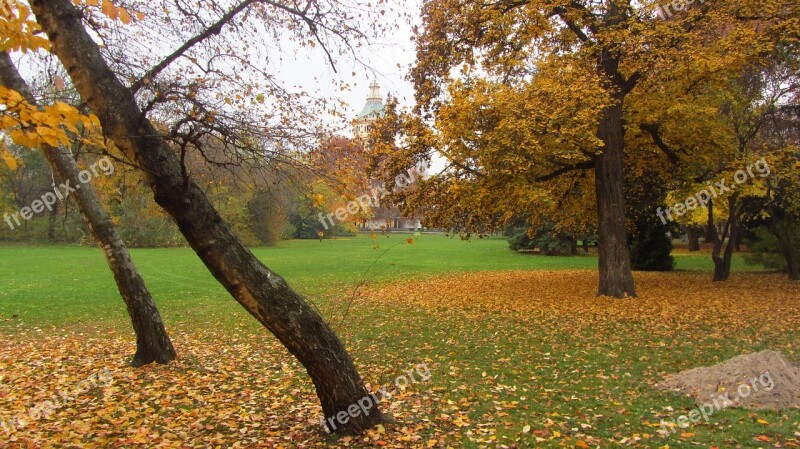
[[615, 57], [152, 341], [740, 107], [28, 181], [782, 200], [490, 180], [456, 33], [547, 240], [258, 289]]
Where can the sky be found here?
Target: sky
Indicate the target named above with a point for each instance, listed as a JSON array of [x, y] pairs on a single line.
[[386, 59]]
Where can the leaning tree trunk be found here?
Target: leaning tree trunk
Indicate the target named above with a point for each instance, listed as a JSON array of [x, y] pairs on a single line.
[[616, 277], [722, 261], [263, 293], [152, 341]]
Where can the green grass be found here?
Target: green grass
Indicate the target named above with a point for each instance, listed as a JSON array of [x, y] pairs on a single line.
[[59, 286], [485, 369]]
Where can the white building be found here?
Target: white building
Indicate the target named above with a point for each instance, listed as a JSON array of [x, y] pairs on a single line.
[[385, 217], [372, 111]]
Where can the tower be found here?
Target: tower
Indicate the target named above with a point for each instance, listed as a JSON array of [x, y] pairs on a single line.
[[372, 110]]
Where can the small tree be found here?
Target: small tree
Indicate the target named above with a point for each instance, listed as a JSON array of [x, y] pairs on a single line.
[[152, 341]]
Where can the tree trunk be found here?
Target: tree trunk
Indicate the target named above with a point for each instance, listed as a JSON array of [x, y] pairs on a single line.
[[787, 250], [786, 243], [722, 261], [52, 218], [792, 266], [694, 238], [259, 290], [616, 277], [152, 341], [711, 229]]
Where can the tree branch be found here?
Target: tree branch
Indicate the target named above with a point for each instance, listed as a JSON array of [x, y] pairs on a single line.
[[588, 165], [655, 134], [214, 29]]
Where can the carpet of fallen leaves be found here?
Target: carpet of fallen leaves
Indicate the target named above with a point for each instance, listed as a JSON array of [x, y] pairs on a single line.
[[518, 359]]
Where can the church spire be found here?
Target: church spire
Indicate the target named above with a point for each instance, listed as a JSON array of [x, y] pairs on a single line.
[[374, 90], [373, 109]]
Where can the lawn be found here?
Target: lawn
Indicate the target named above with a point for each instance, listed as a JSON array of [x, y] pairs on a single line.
[[520, 352], [186, 292]]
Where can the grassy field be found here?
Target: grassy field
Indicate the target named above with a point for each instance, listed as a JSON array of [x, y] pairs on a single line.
[[185, 291], [521, 353]]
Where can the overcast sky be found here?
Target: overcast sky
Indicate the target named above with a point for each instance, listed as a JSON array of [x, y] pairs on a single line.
[[379, 60], [386, 58]]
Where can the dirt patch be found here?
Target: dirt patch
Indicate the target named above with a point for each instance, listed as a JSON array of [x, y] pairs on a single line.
[[763, 380]]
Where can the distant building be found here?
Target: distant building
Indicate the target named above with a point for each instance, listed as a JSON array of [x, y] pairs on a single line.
[[383, 218], [372, 111]]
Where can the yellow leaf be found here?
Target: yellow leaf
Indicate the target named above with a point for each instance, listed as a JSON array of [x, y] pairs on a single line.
[[124, 17], [110, 10], [64, 108], [6, 122], [10, 160], [23, 139]]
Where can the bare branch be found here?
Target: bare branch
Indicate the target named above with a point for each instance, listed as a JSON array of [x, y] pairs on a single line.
[[214, 29]]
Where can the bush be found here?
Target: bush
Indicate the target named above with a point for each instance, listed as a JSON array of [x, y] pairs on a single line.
[[648, 241], [651, 247], [546, 240], [141, 224], [764, 248]]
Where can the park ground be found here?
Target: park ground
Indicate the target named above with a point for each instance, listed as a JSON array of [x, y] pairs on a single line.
[[520, 351]]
